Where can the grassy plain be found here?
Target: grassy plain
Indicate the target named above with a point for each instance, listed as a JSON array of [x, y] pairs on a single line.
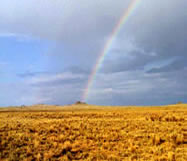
[[85, 132]]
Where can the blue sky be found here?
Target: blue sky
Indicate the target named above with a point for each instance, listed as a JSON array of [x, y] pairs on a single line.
[[48, 49], [19, 56]]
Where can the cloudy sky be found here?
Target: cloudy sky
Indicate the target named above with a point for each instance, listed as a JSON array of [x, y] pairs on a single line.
[[49, 48]]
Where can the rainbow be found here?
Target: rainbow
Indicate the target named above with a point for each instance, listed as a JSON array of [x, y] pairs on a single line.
[[124, 18]]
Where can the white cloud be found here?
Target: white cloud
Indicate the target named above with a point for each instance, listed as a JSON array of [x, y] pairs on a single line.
[[44, 78]]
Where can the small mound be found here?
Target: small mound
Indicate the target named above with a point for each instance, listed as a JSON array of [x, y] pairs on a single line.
[[80, 103]]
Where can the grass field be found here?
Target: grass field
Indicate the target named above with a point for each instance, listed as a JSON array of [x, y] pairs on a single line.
[[85, 132]]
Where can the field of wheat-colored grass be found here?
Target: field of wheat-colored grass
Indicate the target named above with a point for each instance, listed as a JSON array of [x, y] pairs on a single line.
[[85, 132]]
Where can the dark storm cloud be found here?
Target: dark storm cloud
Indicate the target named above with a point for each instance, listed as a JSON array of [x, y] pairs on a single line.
[[161, 27], [157, 27], [137, 61]]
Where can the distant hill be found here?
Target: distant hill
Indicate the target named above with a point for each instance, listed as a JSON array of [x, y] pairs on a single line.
[[83, 106]]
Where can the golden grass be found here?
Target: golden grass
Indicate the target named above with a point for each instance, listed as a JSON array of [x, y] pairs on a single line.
[[83, 132]]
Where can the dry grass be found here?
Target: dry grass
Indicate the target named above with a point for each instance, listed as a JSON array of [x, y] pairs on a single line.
[[83, 132]]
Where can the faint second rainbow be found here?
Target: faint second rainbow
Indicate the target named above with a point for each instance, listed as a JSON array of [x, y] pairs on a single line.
[[132, 6]]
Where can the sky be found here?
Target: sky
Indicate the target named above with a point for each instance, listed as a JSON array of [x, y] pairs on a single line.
[[48, 50]]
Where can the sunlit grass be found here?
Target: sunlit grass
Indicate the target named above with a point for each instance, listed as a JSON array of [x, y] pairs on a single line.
[[83, 132]]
